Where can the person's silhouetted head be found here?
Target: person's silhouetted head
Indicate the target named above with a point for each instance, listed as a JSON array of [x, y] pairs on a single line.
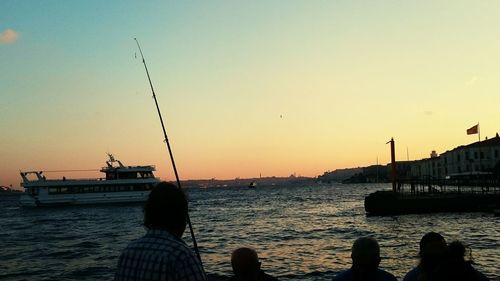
[[365, 257], [432, 249], [456, 252], [246, 265], [166, 208], [455, 266]]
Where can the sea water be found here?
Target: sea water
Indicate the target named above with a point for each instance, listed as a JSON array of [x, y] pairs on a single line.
[[300, 233]]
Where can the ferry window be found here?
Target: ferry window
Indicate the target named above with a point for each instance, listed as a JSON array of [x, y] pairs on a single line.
[[129, 175], [458, 157], [475, 154], [482, 154], [496, 153], [139, 187]]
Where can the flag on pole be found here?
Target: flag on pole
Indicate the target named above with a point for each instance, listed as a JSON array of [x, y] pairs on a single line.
[[473, 130]]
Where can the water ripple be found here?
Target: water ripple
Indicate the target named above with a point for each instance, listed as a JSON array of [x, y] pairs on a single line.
[[300, 233]]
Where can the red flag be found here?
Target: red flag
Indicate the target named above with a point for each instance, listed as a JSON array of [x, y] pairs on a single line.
[[473, 130]]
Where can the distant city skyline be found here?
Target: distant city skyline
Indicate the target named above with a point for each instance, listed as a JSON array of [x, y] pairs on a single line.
[[245, 88]]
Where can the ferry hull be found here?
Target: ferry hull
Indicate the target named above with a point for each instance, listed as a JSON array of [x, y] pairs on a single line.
[[86, 199]]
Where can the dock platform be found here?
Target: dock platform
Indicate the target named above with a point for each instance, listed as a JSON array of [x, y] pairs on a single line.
[[437, 195]]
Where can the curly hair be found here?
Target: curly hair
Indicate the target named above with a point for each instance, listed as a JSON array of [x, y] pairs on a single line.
[[166, 207]]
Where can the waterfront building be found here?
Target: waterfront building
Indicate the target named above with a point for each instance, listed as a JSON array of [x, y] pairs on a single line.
[[482, 157]]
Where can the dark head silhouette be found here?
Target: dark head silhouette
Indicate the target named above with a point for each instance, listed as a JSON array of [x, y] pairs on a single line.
[[365, 257], [456, 267], [246, 265], [432, 250], [167, 209]]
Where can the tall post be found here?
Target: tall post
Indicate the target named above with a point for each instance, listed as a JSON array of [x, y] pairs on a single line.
[[479, 136], [393, 165], [479, 131]]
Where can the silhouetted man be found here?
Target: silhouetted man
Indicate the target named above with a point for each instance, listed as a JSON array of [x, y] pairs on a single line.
[[246, 266], [161, 254], [365, 260], [432, 251]]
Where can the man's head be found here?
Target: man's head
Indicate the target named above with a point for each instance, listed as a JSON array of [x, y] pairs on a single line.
[[432, 247], [246, 265], [167, 209], [365, 256]]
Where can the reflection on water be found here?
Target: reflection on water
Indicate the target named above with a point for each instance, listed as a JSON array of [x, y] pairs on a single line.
[[300, 234]]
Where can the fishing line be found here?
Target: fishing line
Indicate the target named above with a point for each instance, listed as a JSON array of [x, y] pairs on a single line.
[[170, 153]]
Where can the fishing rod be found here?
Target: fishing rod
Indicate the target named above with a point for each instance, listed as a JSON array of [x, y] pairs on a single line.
[[170, 153]]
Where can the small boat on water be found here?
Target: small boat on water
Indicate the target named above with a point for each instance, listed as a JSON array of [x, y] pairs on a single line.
[[252, 185], [122, 184]]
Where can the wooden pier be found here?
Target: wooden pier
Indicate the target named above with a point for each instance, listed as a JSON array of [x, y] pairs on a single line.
[[467, 184], [465, 194]]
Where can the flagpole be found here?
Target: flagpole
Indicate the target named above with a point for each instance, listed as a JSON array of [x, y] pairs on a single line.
[[479, 131]]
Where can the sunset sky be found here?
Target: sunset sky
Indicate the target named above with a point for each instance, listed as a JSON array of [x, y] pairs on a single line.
[[246, 88]]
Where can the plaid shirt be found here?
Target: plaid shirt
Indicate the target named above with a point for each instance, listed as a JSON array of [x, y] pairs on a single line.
[[156, 256]]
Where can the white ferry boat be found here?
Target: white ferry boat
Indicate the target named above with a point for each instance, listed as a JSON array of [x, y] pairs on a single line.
[[122, 184]]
